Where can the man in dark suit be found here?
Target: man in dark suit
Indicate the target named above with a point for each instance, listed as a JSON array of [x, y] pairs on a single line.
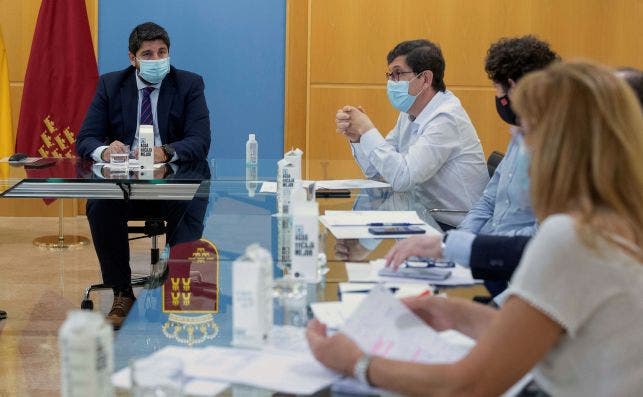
[[149, 92]]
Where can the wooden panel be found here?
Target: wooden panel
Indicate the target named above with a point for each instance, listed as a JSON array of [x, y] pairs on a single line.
[[350, 40], [37, 207], [18, 22], [347, 43], [325, 143], [481, 108], [297, 75]]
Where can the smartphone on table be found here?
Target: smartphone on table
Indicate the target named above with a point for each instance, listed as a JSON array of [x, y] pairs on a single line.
[[388, 230]]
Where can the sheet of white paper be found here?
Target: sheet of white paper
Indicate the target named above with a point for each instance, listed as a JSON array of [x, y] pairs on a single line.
[[268, 187], [132, 164], [352, 232], [400, 290], [284, 372], [364, 218], [334, 314], [350, 184], [192, 387], [384, 326], [367, 273]]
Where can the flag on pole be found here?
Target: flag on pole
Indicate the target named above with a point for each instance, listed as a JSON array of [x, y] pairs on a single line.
[[60, 80], [6, 131]]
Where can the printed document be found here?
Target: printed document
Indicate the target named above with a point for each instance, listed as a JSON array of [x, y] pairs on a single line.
[[368, 273]]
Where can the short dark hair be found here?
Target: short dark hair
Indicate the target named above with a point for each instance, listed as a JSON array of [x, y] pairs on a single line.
[[514, 57], [634, 78], [422, 55], [147, 31]]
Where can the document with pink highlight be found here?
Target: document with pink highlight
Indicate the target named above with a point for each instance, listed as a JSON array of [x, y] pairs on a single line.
[[384, 326]]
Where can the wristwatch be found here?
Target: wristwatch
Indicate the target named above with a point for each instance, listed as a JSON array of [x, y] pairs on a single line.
[[360, 371], [169, 152]]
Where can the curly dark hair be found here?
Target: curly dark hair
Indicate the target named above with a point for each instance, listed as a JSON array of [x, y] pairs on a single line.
[[634, 78], [513, 57], [422, 55]]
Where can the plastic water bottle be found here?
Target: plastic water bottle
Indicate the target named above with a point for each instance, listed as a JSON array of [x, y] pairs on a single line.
[[252, 150], [86, 355]]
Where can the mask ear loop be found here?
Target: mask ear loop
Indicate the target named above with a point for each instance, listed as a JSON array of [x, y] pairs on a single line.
[[416, 76]]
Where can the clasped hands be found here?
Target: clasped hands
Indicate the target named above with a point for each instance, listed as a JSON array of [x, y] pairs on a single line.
[[352, 122], [120, 147]]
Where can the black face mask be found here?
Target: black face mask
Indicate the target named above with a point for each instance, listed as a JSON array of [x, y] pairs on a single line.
[[503, 107]]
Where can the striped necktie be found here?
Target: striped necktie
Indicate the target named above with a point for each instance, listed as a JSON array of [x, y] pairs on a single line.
[[146, 107]]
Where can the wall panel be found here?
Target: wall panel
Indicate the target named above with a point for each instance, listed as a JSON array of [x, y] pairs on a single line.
[[18, 22], [347, 42]]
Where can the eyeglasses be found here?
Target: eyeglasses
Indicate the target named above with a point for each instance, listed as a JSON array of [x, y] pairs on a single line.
[[395, 76]]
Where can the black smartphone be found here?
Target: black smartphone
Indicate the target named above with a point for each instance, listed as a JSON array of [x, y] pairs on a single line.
[[333, 193], [388, 230], [41, 163]]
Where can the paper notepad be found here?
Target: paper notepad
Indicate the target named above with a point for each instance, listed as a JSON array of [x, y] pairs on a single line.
[[365, 218]]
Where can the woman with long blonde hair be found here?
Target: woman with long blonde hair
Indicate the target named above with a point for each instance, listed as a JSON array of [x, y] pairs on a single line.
[[575, 306]]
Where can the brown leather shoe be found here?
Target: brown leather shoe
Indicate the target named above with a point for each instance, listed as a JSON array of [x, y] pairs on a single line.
[[122, 304]]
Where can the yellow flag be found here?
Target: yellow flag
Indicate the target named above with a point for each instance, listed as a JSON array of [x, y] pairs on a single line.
[[7, 141]]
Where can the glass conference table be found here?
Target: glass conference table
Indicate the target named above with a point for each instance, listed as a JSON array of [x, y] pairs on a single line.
[[191, 305]]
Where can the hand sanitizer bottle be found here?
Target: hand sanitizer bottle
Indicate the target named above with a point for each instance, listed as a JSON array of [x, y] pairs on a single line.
[[305, 234], [252, 150]]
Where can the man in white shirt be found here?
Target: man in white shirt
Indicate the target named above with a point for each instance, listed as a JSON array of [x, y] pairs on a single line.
[[433, 149]]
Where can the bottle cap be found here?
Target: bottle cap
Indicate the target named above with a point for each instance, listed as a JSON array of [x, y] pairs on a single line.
[[251, 137]]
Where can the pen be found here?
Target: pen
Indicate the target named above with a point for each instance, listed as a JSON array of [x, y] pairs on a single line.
[[366, 291], [389, 224]]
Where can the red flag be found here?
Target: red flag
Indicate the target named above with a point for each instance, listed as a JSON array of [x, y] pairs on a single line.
[[60, 80]]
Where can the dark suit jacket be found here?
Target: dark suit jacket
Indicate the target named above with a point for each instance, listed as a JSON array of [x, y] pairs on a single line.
[[496, 257], [183, 116]]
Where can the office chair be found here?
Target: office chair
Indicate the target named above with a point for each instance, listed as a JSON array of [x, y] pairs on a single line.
[[153, 228], [493, 161]]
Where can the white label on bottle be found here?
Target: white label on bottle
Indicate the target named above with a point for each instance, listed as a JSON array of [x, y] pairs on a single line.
[[146, 146], [285, 184], [304, 250]]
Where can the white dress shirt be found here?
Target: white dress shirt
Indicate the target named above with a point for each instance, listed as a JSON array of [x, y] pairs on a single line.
[[438, 156]]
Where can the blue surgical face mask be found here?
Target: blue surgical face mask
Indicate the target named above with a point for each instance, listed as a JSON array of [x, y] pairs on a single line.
[[398, 94], [153, 71]]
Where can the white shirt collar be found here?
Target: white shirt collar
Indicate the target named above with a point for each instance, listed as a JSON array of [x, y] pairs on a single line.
[[140, 84]]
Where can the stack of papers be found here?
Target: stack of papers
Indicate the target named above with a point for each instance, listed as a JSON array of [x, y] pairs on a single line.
[[335, 314], [368, 273], [271, 187], [355, 224], [384, 326], [350, 184], [213, 368]]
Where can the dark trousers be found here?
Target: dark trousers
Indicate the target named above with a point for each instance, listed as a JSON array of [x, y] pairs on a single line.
[[108, 225]]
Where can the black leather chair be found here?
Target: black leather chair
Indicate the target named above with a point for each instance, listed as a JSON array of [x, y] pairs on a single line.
[[153, 228], [493, 161]]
